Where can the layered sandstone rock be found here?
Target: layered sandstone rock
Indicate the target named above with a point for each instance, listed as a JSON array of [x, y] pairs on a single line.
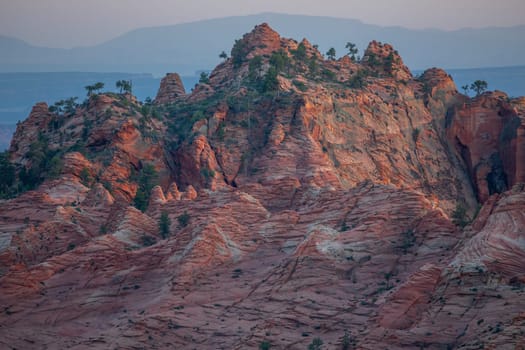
[[386, 60], [488, 134], [171, 88], [319, 208], [29, 130]]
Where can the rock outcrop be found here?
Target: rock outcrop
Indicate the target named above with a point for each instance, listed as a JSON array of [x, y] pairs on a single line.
[[488, 133], [288, 198], [171, 88], [384, 59], [29, 130]]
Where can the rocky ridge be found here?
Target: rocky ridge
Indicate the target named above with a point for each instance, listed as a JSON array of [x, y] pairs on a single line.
[[305, 197]]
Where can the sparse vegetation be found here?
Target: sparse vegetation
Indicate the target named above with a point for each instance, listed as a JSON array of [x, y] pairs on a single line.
[[147, 241], [352, 50], [331, 54], [346, 342], [390, 60], [164, 225], [85, 177], [7, 176], [300, 53], [479, 86], [255, 71], [415, 134], [43, 162], [300, 85], [204, 78], [147, 179], [313, 67], [459, 216], [358, 80], [344, 226], [91, 89], [124, 86], [280, 60], [316, 344], [328, 74], [207, 173], [238, 54], [373, 61], [67, 106], [183, 219], [408, 239], [270, 83], [265, 345]]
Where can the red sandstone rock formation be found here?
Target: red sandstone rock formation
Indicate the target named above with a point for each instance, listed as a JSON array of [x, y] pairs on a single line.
[[171, 87], [318, 208], [488, 134]]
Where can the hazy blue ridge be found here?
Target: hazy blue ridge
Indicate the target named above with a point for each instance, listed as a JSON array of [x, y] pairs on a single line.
[[30, 74], [186, 48]]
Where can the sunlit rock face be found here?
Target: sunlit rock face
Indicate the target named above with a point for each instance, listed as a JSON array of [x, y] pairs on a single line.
[[288, 197]]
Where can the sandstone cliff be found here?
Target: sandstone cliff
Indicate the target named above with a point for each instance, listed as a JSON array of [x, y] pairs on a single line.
[[289, 197]]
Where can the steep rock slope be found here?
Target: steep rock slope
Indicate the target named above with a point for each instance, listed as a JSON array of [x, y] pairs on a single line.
[[288, 197]]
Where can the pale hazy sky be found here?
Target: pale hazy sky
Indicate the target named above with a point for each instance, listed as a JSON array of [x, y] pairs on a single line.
[[67, 23]]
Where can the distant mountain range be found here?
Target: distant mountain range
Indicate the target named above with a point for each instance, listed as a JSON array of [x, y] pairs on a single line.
[[187, 48]]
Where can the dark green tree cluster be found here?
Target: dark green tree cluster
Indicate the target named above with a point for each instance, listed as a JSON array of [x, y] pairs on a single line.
[[358, 80], [92, 89], [270, 82], [204, 78], [67, 106], [316, 344], [43, 163], [479, 87], [265, 345], [124, 86], [85, 177], [238, 53], [352, 50], [183, 219], [255, 69], [266, 82], [331, 54], [373, 61], [164, 225], [280, 60], [459, 216], [300, 53], [147, 179], [7, 176], [390, 60]]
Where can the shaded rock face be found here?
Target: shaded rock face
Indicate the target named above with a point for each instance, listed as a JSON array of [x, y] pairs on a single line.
[[171, 87], [28, 131], [488, 134], [314, 206]]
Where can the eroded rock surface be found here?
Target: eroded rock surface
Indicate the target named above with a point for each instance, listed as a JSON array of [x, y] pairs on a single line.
[[171, 87], [258, 210]]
